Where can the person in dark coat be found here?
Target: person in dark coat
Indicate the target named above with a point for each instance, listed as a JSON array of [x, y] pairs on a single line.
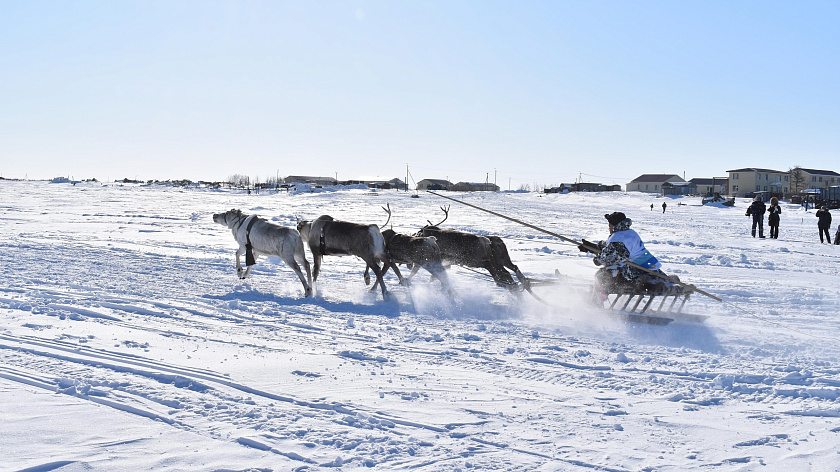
[[757, 209], [664, 206], [837, 236], [824, 224], [773, 217]]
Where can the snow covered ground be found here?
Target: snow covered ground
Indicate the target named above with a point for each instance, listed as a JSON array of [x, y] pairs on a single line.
[[128, 343]]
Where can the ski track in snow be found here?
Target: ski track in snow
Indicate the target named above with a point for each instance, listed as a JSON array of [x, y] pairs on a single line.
[[126, 297]]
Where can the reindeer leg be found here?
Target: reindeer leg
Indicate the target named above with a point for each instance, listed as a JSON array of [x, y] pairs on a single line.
[[367, 279], [414, 269], [384, 269], [526, 284], [501, 276], [296, 258], [393, 265], [308, 283], [316, 258], [295, 267], [438, 272], [248, 269], [239, 269], [376, 270]]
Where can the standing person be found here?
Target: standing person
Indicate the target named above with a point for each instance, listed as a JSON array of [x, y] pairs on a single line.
[[825, 222], [757, 209], [664, 205], [837, 236], [773, 219], [651, 207]]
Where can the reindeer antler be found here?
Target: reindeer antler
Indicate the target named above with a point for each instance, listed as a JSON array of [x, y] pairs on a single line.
[[387, 210], [445, 212]]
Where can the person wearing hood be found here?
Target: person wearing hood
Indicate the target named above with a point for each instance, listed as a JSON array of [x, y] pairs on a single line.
[[773, 217], [624, 245], [824, 223], [757, 209]]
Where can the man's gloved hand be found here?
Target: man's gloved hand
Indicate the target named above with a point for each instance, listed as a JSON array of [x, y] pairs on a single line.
[[587, 246]]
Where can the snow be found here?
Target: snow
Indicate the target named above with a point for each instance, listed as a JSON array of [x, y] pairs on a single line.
[[128, 343]]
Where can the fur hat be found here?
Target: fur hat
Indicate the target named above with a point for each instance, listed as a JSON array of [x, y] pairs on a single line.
[[615, 217]]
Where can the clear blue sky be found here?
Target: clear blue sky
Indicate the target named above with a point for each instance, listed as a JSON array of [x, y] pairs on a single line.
[[528, 92]]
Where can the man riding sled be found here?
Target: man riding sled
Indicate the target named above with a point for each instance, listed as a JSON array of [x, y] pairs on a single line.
[[613, 255]]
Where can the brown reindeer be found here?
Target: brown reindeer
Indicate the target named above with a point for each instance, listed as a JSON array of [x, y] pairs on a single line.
[[327, 236], [472, 250], [417, 252]]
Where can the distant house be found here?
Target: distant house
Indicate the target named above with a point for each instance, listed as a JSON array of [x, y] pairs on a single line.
[[652, 183], [815, 178], [434, 184], [679, 188], [474, 187], [376, 182], [563, 188], [595, 187], [711, 186], [304, 179], [583, 187], [749, 180]]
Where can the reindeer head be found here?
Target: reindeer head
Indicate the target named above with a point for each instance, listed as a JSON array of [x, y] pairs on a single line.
[[388, 234], [303, 227], [229, 218]]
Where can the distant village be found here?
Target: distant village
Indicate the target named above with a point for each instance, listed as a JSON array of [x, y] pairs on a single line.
[[797, 185]]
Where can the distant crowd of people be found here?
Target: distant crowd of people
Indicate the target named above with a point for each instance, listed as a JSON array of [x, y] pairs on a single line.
[[757, 209]]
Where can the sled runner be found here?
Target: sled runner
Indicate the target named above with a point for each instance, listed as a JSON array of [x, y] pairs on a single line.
[[651, 303]]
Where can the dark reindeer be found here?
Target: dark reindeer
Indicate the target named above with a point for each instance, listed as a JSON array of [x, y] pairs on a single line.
[[327, 236], [418, 252], [472, 250]]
